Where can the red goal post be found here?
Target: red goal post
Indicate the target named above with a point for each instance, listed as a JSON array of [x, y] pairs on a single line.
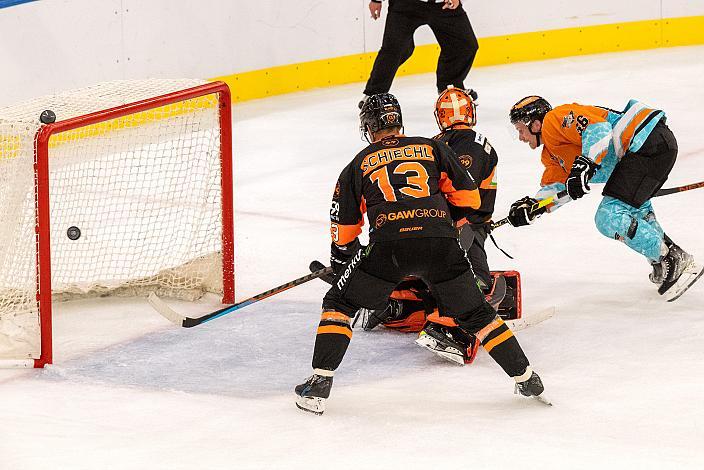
[[102, 171]]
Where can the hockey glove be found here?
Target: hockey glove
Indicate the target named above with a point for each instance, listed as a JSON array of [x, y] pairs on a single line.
[[521, 214], [583, 170], [339, 255]]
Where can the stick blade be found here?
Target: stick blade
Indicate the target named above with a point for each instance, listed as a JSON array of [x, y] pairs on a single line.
[[531, 320], [165, 311]]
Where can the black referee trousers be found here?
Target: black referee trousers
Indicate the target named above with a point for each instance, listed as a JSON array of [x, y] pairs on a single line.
[[452, 29]]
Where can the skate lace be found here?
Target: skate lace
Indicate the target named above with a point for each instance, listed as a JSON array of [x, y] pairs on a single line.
[[665, 268]]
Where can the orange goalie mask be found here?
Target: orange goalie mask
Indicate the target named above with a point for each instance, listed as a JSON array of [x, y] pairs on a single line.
[[455, 106]]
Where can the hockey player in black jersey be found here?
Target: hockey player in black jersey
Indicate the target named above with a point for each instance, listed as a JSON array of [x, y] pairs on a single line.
[[456, 115], [411, 304], [406, 185]]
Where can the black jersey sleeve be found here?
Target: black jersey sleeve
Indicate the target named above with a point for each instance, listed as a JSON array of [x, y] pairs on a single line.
[[456, 183], [479, 158], [486, 180], [347, 209]]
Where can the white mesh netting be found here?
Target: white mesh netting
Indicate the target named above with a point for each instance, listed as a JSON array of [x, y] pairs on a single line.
[[144, 191]]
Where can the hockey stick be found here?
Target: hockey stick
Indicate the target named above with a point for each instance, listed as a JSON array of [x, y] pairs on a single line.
[[188, 322], [533, 208], [561, 194], [679, 189], [316, 265]]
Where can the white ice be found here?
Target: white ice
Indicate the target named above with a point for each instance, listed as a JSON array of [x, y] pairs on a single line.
[[624, 368]]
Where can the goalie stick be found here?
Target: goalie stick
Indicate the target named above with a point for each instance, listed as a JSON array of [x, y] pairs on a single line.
[[188, 322]]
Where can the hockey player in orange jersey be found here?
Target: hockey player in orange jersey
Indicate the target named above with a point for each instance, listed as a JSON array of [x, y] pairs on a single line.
[[632, 151]]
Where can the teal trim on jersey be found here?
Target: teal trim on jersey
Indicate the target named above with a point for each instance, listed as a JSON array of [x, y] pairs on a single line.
[[596, 138], [615, 218], [12, 3]]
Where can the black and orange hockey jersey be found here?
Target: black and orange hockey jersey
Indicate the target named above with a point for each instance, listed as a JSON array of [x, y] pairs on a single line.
[[477, 156], [405, 185]]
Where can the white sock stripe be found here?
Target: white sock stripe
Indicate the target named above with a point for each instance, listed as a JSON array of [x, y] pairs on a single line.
[[526, 375], [324, 372]]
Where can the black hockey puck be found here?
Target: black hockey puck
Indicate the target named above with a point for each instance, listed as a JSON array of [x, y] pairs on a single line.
[[73, 233], [47, 117]]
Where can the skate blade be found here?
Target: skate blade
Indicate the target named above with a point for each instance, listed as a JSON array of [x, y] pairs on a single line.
[[542, 400], [315, 405], [688, 277], [449, 354]]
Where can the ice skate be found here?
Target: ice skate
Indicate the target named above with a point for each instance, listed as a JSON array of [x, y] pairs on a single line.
[[449, 343], [312, 394], [657, 275], [532, 387], [679, 272]]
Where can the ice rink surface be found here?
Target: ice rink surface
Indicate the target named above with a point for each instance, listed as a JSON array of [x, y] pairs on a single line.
[[624, 369]]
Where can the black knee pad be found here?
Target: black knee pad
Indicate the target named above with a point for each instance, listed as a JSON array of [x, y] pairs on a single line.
[[478, 318], [458, 296]]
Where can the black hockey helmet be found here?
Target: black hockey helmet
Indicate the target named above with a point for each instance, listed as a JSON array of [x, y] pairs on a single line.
[[378, 112], [529, 109]]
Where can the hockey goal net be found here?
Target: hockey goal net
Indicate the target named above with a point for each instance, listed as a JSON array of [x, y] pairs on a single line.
[[128, 192]]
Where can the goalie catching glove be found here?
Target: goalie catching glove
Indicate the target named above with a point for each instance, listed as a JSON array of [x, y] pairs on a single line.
[[521, 213], [582, 171]]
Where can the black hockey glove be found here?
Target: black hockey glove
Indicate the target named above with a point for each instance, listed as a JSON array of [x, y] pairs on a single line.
[[520, 213], [582, 171], [339, 255]]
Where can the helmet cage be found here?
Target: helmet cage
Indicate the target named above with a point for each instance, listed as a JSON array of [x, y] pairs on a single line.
[[455, 106]]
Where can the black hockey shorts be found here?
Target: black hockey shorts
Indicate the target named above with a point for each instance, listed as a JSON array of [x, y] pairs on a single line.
[[439, 262], [639, 175]]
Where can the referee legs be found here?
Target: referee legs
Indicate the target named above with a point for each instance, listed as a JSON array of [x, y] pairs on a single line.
[[396, 47], [458, 46]]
